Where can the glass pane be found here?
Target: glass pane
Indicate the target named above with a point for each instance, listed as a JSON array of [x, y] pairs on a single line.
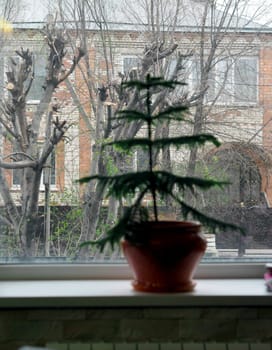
[[194, 78], [130, 63], [211, 83], [75, 111], [171, 65], [224, 79], [36, 90], [246, 79]]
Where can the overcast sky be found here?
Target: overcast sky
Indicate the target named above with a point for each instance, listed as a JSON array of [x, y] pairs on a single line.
[[37, 10]]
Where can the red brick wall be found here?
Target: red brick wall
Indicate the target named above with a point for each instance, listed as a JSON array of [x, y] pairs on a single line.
[[265, 98], [265, 93]]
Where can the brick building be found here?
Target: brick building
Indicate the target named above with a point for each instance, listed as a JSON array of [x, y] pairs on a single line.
[[240, 114]]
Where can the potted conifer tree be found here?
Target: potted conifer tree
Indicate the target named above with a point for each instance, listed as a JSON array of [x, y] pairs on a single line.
[[163, 254]]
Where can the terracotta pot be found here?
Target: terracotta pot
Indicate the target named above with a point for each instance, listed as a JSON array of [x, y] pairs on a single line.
[[167, 260]]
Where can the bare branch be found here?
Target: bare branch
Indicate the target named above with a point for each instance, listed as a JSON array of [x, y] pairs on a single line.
[[155, 53], [15, 155], [77, 58], [59, 130], [18, 165]]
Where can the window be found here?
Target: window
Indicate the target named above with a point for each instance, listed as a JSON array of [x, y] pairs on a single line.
[[18, 173], [236, 81], [245, 79], [194, 75], [130, 63], [39, 66], [223, 84], [230, 82], [235, 78], [40, 62]]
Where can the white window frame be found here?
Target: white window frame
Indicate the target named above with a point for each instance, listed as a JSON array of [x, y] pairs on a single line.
[[119, 271], [231, 101], [53, 186]]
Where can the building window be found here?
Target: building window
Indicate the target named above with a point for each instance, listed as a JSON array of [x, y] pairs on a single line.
[[36, 90], [245, 79], [223, 81], [130, 63], [39, 66], [18, 173], [230, 82]]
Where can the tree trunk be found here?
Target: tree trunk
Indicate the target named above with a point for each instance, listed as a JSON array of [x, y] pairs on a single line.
[[29, 228], [92, 197]]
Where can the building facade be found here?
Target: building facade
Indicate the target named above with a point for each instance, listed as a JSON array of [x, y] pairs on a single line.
[[238, 107]]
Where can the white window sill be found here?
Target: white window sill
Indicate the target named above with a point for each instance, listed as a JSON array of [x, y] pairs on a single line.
[[108, 285], [112, 271], [118, 293]]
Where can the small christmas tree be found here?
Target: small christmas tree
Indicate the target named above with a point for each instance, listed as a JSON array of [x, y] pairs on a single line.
[[155, 183]]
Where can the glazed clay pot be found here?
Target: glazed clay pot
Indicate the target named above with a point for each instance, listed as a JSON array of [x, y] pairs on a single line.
[[167, 260]]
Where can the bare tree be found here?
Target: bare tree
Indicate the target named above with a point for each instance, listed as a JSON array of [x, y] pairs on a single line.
[[213, 30], [24, 132], [104, 90], [222, 28], [219, 34]]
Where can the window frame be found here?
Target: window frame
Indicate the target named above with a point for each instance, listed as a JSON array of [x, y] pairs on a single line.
[[232, 82], [131, 57], [220, 100], [256, 60], [4, 66], [121, 271], [53, 186]]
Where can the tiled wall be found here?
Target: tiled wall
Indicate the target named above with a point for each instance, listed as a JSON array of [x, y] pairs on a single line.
[[152, 346], [134, 326], [160, 346]]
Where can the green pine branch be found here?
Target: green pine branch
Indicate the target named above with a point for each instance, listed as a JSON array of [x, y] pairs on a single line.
[[188, 141], [206, 220], [166, 183], [152, 82], [159, 184], [169, 114]]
